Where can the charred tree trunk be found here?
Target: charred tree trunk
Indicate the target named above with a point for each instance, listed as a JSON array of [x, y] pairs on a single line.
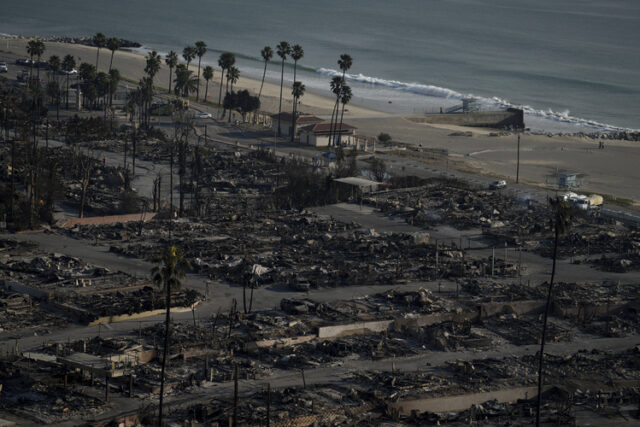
[[165, 351]]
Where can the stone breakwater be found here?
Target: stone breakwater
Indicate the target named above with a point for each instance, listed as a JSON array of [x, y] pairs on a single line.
[[621, 135]]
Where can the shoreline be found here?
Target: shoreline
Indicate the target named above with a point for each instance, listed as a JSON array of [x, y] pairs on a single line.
[[575, 126], [131, 66], [609, 171]]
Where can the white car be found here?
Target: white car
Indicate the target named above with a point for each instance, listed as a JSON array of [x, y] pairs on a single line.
[[72, 71], [202, 115], [496, 185], [3, 67]]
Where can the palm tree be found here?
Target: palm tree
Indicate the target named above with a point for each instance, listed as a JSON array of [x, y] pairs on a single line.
[[297, 92], [335, 85], [189, 53], [225, 61], [233, 74], [560, 224], [267, 54], [207, 73], [35, 48], [54, 66], [68, 64], [344, 62], [87, 72], [113, 44], [114, 80], [99, 41], [172, 61], [283, 49], [185, 81], [168, 276], [201, 49], [296, 53], [345, 97], [153, 64]]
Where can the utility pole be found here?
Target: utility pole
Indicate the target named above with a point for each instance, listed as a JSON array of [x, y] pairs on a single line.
[[493, 260], [235, 395], [268, 404], [518, 162], [133, 157]]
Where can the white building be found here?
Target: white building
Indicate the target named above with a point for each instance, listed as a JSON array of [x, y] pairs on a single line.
[[286, 122], [318, 134]]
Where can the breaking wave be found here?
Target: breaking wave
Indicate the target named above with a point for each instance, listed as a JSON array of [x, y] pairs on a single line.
[[441, 92], [417, 88]]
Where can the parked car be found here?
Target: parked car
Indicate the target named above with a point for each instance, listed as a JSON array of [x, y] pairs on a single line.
[[3, 67], [41, 64], [203, 115], [23, 61], [71, 71], [496, 185]]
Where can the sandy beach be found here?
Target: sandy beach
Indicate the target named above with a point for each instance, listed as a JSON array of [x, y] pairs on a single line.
[[131, 66], [611, 171]]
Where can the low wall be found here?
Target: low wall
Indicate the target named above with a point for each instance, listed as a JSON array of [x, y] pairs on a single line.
[[111, 219], [31, 291], [354, 329], [584, 311], [134, 316], [464, 401], [284, 342], [518, 307], [513, 118], [431, 319]]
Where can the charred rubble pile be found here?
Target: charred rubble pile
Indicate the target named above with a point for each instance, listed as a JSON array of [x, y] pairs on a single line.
[[334, 405], [295, 248], [598, 242], [66, 287], [22, 315], [37, 392], [459, 205], [608, 309]]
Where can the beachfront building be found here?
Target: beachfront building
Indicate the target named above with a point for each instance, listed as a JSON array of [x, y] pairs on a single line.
[[318, 134], [359, 184], [286, 122]]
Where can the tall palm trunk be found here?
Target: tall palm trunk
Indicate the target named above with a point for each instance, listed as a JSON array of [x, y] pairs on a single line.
[[111, 61], [67, 92], [206, 91], [198, 87], [295, 118], [221, 84], [295, 66], [331, 123], [339, 129], [280, 106], [264, 73], [170, 77], [167, 323], [544, 322]]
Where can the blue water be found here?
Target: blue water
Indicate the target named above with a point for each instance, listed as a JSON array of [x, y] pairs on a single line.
[[572, 64]]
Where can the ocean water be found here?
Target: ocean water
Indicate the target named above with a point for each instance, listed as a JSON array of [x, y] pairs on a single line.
[[573, 65]]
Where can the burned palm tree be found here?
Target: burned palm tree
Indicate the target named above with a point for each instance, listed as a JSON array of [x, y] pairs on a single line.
[[560, 223], [168, 275]]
